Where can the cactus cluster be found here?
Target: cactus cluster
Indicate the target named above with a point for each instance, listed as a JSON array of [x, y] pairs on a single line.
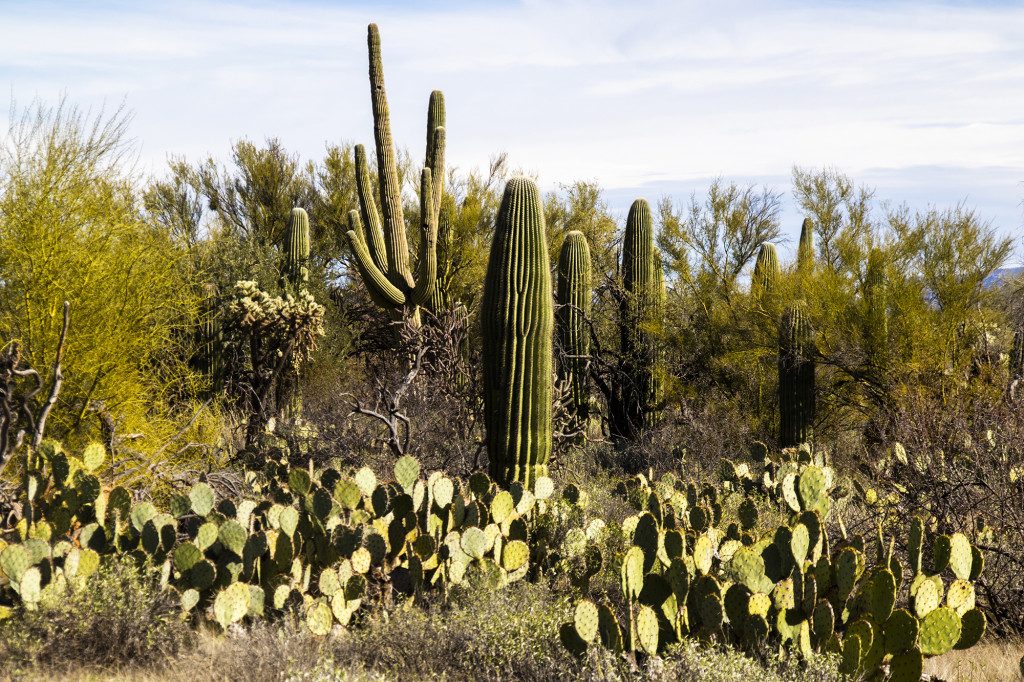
[[323, 543], [686, 575], [517, 320], [574, 301], [379, 241]]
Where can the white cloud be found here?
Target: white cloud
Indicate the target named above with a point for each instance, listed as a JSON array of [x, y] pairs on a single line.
[[673, 91]]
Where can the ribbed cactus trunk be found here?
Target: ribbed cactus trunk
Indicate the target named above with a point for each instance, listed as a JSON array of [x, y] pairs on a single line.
[[296, 252], [652, 415], [296, 276], [574, 300], [766, 271], [876, 315], [211, 340], [635, 396], [517, 320], [805, 251], [382, 250], [796, 377]]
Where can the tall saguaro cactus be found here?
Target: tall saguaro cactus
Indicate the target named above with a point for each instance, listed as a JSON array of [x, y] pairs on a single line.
[[517, 320], [766, 270], [574, 292], [796, 377], [382, 250], [296, 252], [636, 396], [876, 320]]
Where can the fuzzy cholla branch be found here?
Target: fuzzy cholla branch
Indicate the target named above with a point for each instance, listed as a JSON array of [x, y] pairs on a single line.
[[279, 322]]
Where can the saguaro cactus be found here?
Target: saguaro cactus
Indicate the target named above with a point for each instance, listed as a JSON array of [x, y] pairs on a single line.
[[876, 321], [382, 251], [574, 294], [211, 339], [636, 395], [296, 252], [796, 377], [517, 321], [766, 271], [805, 252]]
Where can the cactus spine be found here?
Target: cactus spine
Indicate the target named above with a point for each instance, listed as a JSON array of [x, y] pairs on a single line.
[[636, 396], [517, 321], [796, 377], [297, 248], [574, 291], [382, 251], [766, 270]]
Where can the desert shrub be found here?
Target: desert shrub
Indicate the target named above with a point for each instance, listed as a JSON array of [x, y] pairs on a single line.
[[958, 463], [120, 618]]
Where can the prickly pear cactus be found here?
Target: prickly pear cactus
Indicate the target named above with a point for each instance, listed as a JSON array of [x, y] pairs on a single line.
[[793, 588]]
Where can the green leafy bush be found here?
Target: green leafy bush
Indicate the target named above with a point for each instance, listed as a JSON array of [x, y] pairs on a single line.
[[121, 617]]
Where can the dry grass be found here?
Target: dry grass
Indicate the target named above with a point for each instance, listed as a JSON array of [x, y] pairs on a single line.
[[992, 659]]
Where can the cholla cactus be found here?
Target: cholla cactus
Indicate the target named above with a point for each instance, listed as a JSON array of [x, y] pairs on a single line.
[[295, 321]]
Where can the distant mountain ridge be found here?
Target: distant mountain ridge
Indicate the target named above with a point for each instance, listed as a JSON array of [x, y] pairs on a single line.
[[1002, 274]]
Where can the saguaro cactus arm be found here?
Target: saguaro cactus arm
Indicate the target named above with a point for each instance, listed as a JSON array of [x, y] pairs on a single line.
[[436, 146], [382, 291], [395, 244], [426, 270], [374, 236]]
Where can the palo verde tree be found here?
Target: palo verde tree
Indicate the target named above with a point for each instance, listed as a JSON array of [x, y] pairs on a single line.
[[71, 229]]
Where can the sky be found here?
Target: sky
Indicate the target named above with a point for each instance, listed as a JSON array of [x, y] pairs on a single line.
[[922, 101]]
